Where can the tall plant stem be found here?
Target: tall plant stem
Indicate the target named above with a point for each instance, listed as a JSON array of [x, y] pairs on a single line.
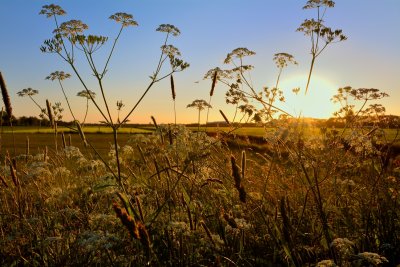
[[88, 91], [117, 154], [208, 111], [279, 76], [104, 98], [310, 73], [137, 103], [198, 127], [153, 81], [87, 109], [175, 111], [66, 99], [35, 102]]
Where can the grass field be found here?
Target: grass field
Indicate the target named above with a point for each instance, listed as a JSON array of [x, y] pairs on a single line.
[[248, 131], [101, 138]]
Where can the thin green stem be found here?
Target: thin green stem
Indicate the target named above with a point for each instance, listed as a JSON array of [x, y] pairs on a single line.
[[111, 52], [90, 95], [117, 154], [66, 99], [35, 102]]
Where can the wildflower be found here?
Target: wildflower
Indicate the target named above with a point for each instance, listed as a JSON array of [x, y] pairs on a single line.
[[58, 75], [86, 93], [124, 18], [52, 10], [71, 28], [282, 60], [168, 28], [170, 50], [343, 246], [369, 258], [238, 53], [326, 263]]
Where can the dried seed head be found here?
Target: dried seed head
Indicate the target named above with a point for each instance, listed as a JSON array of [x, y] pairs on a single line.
[[242, 194], [6, 97], [214, 81], [50, 113], [225, 118], [172, 87], [143, 235], [126, 220], [154, 122], [235, 172]]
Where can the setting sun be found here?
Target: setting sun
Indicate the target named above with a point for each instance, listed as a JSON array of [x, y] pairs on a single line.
[[316, 103]]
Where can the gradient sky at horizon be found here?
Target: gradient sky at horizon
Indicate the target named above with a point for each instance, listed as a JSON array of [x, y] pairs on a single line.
[[210, 29]]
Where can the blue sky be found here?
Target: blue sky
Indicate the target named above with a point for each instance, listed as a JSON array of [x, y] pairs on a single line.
[[210, 29]]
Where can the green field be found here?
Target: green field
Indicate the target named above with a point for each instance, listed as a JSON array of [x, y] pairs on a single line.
[[101, 138], [87, 129], [146, 129]]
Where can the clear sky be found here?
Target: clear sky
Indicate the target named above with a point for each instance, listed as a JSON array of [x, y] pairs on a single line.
[[209, 30]]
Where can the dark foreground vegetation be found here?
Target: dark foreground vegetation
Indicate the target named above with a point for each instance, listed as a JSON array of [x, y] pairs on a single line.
[[190, 203]]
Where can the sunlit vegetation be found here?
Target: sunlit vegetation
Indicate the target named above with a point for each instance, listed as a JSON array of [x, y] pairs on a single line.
[[283, 192]]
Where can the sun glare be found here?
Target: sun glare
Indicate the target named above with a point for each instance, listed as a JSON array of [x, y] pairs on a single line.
[[316, 103]]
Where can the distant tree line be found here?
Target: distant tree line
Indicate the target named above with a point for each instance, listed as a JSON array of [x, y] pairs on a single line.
[[386, 121], [29, 121]]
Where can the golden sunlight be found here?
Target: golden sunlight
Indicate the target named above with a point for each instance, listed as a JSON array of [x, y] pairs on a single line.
[[316, 103]]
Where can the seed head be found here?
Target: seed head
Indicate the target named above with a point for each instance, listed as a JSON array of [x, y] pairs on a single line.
[[173, 87], [50, 113], [6, 97]]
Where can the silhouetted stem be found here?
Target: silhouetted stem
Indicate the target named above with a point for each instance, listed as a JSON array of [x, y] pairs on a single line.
[[35, 102], [66, 99], [87, 109], [117, 154], [310, 73]]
